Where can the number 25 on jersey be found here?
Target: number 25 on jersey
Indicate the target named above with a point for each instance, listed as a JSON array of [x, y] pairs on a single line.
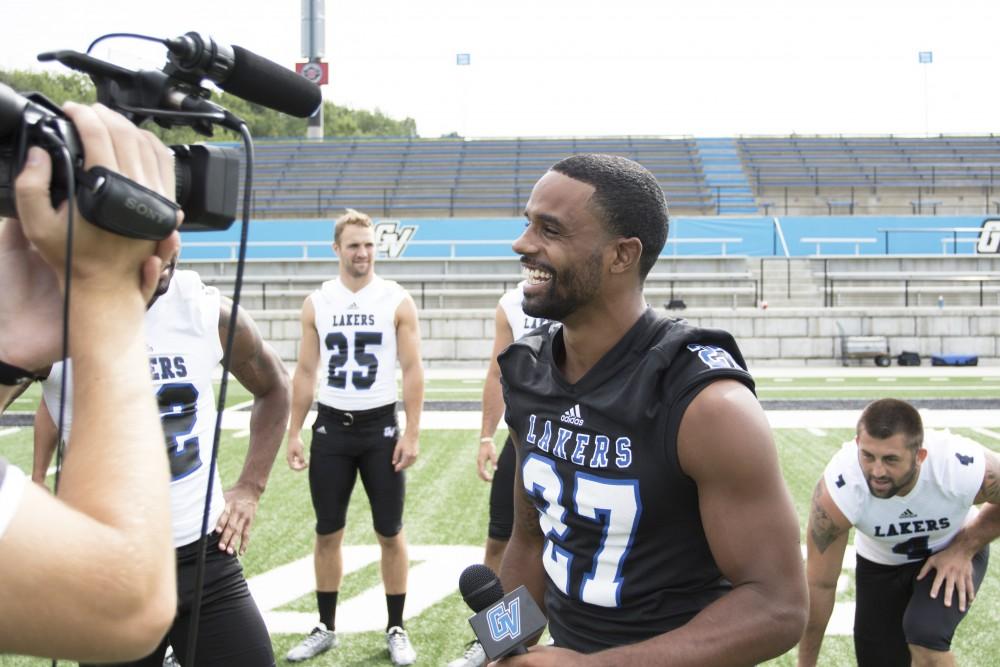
[[339, 346]]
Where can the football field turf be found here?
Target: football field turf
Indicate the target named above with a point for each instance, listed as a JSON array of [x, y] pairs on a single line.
[[775, 384], [446, 514]]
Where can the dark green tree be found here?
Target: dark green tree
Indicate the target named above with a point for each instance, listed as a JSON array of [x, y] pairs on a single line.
[[263, 123]]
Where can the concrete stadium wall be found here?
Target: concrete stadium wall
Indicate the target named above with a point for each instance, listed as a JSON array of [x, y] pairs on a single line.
[[778, 337]]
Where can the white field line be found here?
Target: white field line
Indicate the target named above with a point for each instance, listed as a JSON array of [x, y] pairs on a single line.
[[9, 431], [823, 419], [433, 579], [987, 432], [859, 388]]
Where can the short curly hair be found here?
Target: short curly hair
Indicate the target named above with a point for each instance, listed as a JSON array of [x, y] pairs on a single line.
[[627, 198]]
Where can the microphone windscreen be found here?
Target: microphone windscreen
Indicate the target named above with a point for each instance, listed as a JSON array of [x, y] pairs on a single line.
[[262, 81], [480, 587]]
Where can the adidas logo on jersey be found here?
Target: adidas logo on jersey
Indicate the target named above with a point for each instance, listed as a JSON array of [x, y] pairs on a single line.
[[907, 514], [572, 416], [353, 306], [321, 430]]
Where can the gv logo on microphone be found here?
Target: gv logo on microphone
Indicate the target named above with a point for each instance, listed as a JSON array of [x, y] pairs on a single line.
[[505, 620]]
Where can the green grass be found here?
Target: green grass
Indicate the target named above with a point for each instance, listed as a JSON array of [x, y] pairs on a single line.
[[447, 504], [924, 386], [859, 387]]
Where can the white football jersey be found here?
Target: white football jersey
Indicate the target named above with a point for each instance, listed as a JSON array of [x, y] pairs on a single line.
[[357, 342], [51, 390], [12, 482], [182, 340], [182, 337], [902, 529], [520, 324]]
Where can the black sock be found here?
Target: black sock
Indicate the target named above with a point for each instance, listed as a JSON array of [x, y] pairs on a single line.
[[327, 603], [394, 603]]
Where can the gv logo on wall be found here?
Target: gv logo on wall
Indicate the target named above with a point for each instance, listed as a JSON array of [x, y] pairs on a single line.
[[989, 237], [391, 238]]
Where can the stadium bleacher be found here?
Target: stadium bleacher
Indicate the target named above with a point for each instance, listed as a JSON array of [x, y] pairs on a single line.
[[485, 177], [448, 177], [874, 175]]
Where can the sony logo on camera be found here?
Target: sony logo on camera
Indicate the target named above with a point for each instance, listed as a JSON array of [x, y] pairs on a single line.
[[145, 210]]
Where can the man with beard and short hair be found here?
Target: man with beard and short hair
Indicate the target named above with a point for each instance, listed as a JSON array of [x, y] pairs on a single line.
[[911, 500], [651, 522], [356, 327]]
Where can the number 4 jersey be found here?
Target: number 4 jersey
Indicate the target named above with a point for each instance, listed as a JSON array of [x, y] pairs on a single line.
[[902, 529], [625, 553], [357, 342]]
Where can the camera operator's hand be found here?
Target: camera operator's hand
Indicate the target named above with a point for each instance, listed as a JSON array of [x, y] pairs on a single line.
[[102, 261], [112, 142]]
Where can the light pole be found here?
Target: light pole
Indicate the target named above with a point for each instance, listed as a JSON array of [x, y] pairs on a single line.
[[313, 50], [926, 58], [463, 60]]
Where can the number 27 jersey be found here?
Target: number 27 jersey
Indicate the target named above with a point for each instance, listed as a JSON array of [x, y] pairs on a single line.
[[357, 342], [625, 553]]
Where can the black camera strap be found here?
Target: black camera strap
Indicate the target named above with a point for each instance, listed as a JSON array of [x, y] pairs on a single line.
[[122, 206]]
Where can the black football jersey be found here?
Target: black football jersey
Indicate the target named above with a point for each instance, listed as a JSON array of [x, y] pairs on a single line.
[[625, 553]]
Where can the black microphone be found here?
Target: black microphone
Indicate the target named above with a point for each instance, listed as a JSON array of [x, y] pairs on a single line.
[[245, 74], [502, 623]]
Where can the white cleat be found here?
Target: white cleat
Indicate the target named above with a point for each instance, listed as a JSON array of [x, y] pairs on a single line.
[[474, 656], [318, 641], [400, 650]]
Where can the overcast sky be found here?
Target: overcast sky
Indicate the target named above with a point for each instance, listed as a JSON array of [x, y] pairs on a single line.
[[584, 67]]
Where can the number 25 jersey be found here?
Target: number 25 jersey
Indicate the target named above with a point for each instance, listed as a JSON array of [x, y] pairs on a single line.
[[357, 342], [625, 552]]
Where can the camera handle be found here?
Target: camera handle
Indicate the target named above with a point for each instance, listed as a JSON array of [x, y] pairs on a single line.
[[122, 206]]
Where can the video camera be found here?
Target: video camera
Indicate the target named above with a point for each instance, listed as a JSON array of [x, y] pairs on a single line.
[[207, 175]]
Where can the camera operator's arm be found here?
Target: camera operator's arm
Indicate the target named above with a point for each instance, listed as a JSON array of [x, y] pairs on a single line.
[[260, 370], [30, 308], [108, 584]]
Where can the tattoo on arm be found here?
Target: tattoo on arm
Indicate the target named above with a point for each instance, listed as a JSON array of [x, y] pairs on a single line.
[[821, 526], [991, 481]]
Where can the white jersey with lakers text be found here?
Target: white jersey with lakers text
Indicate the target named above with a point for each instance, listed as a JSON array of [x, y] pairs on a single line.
[[903, 529], [182, 341], [520, 324], [357, 342], [182, 337]]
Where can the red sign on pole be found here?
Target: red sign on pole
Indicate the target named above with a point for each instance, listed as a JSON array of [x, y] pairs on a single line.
[[318, 73]]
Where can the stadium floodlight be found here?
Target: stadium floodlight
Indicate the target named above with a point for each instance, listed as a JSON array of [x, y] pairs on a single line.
[[925, 58]]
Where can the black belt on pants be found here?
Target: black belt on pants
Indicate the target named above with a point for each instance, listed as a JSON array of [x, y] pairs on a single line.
[[356, 417]]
